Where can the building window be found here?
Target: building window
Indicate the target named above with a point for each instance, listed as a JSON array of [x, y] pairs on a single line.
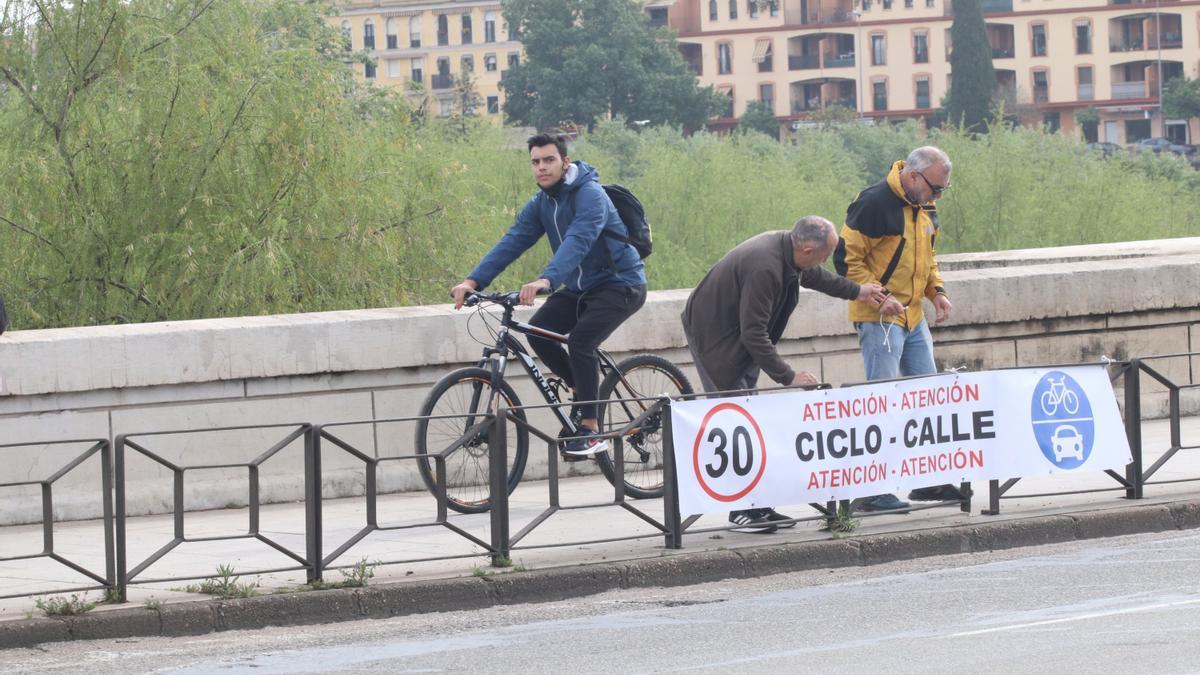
[[766, 94], [724, 59], [752, 9], [733, 9], [1083, 37], [727, 110], [443, 30], [493, 105], [489, 63], [489, 27], [414, 31], [712, 10], [879, 93], [347, 42], [466, 29], [887, 4], [908, 4], [369, 70], [393, 68], [764, 55], [1053, 122], [1038, 46], [923, 93], [368, 34], [930, 3], [514, 59], [920, 47], [1041, 87], [468, 64], [1086, 90], [417, 72], [446, 108], [393, 40], [878, 50]]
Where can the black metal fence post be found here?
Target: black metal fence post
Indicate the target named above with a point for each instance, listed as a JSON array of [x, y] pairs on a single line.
[[313, 524], [106, 484], [1133, 428], [498, 484], [671, 516], [119, 498]]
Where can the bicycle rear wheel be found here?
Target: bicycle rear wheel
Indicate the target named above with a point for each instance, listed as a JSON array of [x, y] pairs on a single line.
[[466, 392], [644, 375]]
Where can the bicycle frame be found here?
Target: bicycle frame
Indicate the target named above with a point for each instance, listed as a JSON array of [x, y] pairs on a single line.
[[507, 344]]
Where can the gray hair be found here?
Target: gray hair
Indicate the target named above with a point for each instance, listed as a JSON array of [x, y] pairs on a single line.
[[811, 229], [925, 157]]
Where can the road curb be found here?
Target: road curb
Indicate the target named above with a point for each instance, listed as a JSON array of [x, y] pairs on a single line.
[[501, 588]]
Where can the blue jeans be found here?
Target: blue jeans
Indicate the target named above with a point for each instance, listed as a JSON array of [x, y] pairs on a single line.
[[903, 353]]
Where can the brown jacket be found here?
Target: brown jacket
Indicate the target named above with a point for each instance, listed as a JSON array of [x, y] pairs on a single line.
[[738, 312]]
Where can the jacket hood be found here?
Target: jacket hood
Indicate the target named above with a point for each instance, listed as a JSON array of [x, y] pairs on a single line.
[[893, 181], [577, 174]]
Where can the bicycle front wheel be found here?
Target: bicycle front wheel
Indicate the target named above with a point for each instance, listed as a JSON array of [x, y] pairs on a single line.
[[641, 376], [465, 393]]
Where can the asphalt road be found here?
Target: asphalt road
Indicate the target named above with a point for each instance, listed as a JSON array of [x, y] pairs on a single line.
[[1128, 604]]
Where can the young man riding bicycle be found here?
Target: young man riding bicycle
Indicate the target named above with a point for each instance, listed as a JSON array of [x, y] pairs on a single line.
[[600, 280]]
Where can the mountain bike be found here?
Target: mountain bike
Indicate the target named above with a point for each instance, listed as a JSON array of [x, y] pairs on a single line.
[[479, 388]]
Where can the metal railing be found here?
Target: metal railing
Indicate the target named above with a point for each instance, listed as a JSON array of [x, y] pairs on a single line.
[[1136, 476], [500, 542], [46, 488], [127, 576], [492, 425]]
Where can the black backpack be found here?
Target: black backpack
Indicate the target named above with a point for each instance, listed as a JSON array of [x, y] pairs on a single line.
[[630, 209]]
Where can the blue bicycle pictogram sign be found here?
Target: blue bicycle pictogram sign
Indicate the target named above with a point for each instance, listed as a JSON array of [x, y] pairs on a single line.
[[1063, 423]]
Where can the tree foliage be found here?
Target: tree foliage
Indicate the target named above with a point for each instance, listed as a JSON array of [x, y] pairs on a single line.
[[1181, 98], [760, 117], [972, 73], [168, 158], [588, 60]]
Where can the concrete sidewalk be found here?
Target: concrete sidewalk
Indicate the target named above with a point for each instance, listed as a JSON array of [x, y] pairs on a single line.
[[547, 564]]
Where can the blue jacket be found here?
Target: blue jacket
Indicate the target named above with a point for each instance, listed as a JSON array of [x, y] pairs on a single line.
[[572, 215]]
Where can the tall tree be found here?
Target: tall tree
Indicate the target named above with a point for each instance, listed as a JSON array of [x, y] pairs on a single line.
[[973, 76], [587, 60], [760, 117], [1181, 98]]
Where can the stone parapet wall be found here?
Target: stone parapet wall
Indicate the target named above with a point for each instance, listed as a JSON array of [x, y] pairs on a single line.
[[1013, 308]]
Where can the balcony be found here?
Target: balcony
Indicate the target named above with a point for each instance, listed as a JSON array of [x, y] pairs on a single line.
[[1132, 45], [1135, 89], [806, 106], [996, 6], [440, 81], [839, 60], [804, 61], [1003, 52]]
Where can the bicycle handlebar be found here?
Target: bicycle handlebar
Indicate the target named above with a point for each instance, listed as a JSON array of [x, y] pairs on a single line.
[[502, 298]]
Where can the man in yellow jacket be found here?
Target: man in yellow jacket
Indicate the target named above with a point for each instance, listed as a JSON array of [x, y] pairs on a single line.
[[888, 239]]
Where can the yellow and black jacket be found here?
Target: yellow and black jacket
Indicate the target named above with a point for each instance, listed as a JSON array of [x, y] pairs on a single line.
[[889, 241]]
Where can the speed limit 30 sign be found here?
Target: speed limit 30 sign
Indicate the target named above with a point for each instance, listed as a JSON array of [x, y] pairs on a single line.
[[730, 454]]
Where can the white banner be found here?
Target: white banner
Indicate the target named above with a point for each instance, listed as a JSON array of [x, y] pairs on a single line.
[[798, 447]]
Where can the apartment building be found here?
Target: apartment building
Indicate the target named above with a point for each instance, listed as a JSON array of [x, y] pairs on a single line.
[[431, 44], [890, 58]]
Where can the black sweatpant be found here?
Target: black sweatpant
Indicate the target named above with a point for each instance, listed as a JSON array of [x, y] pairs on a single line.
[[588, 320]]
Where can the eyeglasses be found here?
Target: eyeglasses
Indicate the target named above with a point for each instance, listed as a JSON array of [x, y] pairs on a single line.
[[937, 189]]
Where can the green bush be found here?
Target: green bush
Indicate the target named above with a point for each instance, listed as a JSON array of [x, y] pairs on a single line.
[[234, 169]]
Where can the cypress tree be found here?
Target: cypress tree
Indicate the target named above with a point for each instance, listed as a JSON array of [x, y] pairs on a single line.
[[973, 79]]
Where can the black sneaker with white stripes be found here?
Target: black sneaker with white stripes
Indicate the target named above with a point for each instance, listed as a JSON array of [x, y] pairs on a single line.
[[778, 519], [752, 521]]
